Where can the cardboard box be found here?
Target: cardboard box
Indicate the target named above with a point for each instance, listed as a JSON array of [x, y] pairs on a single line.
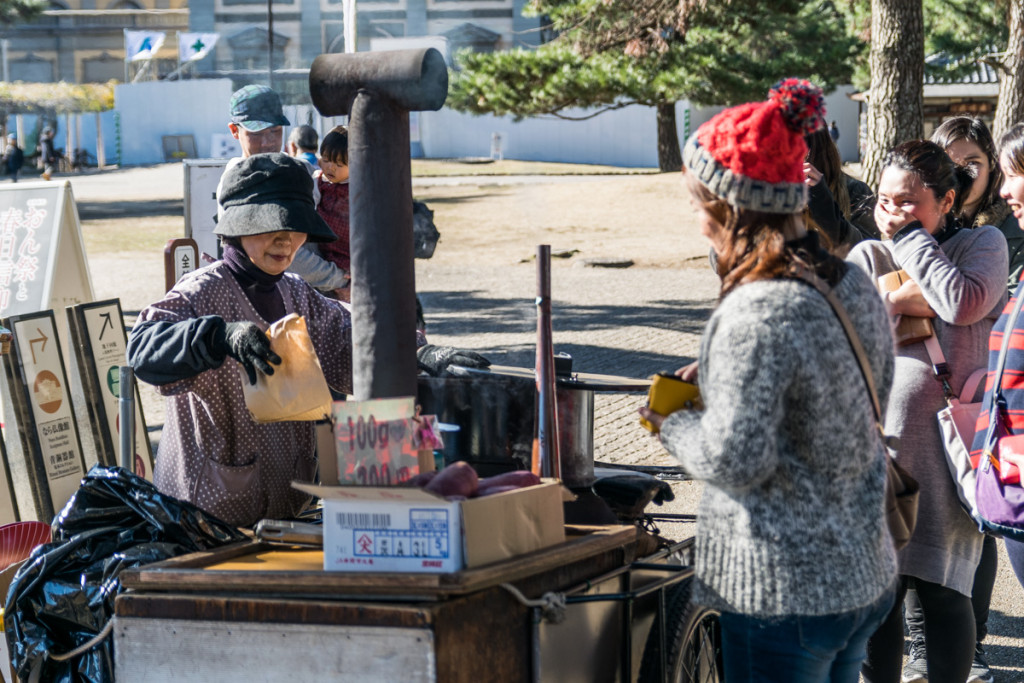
[[397, 529]]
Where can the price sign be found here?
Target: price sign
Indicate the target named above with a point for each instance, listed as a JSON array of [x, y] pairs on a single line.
[[375, 441]]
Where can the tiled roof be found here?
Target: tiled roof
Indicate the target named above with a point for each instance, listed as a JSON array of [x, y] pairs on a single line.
[[982, 72]]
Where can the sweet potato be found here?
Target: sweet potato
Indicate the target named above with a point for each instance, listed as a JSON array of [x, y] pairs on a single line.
[[519, 479], [458, 479], [422, 479]]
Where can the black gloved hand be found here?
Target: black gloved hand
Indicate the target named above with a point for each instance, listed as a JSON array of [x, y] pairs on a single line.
[[249, 345], [436, 359]]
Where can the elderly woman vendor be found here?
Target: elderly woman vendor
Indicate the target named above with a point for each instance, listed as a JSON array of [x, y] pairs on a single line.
[[212, 453]]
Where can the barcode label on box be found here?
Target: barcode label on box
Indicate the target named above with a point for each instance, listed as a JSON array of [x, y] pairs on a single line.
[[363, 520]]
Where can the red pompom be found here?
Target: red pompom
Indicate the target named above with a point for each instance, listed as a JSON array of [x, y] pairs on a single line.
[[801, 102]]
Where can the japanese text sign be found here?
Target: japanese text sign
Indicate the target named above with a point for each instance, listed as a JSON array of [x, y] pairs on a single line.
[[375, 441]]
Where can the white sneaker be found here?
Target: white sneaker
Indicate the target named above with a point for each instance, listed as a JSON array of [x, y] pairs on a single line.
[[916, 669]]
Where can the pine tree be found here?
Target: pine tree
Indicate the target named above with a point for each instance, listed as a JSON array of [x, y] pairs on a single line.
[[611, 54], [15, 11], [1010, 109], [896, 100]]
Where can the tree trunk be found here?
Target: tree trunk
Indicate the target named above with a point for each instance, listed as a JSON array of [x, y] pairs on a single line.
[[895, 104], [670, 158], [1010, 109]]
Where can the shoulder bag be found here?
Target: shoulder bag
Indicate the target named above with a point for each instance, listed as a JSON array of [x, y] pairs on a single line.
[[957, 424], [999, 494], [902, 491]]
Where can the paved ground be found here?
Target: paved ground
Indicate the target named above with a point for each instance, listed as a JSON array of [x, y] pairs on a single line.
[[630, 322]]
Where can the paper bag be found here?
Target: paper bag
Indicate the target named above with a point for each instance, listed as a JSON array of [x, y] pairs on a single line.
[[909, 329], [297, 391]]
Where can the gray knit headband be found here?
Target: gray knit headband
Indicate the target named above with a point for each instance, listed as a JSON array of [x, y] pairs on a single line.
[[738, 190]]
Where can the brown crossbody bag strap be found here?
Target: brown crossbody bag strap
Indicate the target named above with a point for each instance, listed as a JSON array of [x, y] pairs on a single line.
[[902, 492], [851, 336]]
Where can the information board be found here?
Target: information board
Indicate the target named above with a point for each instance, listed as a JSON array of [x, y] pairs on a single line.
[[47, 427], [201, 179], [100, 344], [181, 256], [42, 255]]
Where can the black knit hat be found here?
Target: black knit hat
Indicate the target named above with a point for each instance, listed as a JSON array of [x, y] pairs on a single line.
[[267, 193]]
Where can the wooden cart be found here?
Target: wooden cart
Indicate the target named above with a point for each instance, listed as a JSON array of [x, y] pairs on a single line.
[[579, 611]]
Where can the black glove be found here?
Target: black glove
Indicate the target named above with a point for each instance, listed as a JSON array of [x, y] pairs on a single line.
[[249, 345], [436, 359]]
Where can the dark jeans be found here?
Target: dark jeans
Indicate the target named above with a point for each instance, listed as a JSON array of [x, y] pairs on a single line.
[[949, 636], [1015, 550], [981, 594], [799, 649]]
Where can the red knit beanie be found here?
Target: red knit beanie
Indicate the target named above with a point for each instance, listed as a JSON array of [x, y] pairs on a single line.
[[753, 155]]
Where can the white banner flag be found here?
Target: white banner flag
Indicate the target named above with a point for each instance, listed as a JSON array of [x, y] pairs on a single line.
[[195, 46], [141, 45]]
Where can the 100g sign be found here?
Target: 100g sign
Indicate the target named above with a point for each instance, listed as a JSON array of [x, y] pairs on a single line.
[[366, 434]]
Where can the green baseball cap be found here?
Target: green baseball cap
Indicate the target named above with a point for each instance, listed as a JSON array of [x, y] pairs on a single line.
[[256, 108]]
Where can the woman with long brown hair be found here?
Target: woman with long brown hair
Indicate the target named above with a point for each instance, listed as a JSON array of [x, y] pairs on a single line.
[[792, 545]]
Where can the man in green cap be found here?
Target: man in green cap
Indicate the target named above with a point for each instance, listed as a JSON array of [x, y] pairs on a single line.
[[257, 118]]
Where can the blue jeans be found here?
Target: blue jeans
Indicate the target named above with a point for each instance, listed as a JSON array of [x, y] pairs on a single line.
[[800, 649]]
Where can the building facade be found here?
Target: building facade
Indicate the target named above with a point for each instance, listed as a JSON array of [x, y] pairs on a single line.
[[82, 41], [304, 29]]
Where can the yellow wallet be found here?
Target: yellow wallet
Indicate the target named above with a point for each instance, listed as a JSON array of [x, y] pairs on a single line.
[[668, 394]]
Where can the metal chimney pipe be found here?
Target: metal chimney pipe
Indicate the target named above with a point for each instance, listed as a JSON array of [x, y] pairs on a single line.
[[377, 90]]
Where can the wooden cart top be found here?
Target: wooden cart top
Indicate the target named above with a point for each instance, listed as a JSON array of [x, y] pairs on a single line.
[[254, 567]]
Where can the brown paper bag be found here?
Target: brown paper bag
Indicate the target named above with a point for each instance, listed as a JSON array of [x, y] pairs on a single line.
[[909, 329], [297, 391]]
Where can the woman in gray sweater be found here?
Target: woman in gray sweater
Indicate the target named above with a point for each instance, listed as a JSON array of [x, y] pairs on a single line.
[[792, 544], [957, 278]]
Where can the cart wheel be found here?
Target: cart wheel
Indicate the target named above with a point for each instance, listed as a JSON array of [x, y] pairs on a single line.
[[693, 645]]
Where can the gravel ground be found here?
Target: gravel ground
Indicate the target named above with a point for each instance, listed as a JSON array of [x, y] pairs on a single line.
[[479, 289]]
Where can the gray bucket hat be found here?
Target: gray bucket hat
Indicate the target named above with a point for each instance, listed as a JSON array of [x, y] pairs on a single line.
[[267, 193]]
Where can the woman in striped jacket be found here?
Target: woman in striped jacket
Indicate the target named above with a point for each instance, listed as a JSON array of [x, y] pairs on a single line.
[[1011, 161]]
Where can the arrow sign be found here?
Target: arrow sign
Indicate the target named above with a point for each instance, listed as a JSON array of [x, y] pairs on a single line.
[[106, 324], [31, 344]]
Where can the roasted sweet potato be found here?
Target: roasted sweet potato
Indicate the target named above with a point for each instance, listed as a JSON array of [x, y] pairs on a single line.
[[422, 479], [458, 479]]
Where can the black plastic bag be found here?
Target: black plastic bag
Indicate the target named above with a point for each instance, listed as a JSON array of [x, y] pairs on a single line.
[[63, 596]]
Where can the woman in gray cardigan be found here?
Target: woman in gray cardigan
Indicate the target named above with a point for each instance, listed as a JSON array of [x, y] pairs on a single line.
[[957, 278], [792, 545]]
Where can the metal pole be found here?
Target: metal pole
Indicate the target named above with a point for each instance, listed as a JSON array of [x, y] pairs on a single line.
[[383, 274], [350, 23], [101, 152], [126, 404], [270, 43], [7, 71], [547, 463], [127, 75]]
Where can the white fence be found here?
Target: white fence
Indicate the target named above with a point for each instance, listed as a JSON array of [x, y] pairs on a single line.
[[624, 137], [151, 110]]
